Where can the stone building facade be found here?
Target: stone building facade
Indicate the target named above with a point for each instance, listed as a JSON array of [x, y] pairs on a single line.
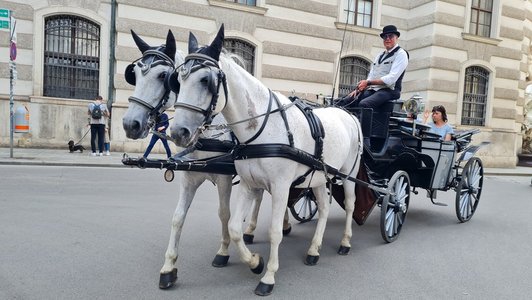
[[472, 56]]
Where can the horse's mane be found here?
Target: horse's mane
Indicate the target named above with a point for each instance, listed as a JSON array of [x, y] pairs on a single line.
[[179, 57], [239, 60]]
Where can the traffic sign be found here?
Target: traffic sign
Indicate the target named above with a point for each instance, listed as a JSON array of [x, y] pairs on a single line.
[[4, 18]]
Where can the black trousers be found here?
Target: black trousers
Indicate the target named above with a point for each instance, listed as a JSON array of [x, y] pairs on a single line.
[[375, 99], [369, 99], [97, 131]]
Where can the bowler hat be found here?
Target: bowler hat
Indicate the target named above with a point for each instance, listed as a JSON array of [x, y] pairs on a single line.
[[390, 29]]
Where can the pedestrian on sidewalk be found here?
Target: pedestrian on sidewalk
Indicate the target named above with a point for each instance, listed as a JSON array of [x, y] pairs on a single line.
[[107, 141], [98, 114], [161, 124]]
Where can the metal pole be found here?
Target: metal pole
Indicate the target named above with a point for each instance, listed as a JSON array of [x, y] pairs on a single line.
[[110, 86], [11, 101], [11, 113]]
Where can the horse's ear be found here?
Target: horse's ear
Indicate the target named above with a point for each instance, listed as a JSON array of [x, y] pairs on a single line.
[[140, 43], [170, 45], [192, 43], [217, 44]]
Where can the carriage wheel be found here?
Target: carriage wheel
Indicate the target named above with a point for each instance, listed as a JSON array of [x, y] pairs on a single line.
[[469, 189], [305, 207], [394, 206]]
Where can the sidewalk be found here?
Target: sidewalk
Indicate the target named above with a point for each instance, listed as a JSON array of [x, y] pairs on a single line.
[[62, 157], [59, 157]]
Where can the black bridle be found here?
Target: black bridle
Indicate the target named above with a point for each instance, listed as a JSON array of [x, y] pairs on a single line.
[[194, 62], [154, 111]]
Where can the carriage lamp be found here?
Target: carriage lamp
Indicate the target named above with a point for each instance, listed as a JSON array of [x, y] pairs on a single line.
[[414, 107]]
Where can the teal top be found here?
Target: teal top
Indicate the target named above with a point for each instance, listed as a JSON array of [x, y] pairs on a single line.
[[442, 131]]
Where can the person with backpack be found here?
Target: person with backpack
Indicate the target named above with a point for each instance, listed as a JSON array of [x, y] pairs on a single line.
[[98, 114]]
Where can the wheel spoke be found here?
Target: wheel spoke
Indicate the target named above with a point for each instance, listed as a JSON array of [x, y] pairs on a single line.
[[301, 209], [401, 217], [470, 206], [396, 224], [475, 196], [463, 203], [308, 206], [390, 225]]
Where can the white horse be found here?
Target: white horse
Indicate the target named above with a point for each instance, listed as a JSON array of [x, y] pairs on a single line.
[[154, 93], [256, 119]]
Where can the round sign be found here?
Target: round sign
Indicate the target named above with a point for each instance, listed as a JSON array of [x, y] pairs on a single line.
[[13, 51]]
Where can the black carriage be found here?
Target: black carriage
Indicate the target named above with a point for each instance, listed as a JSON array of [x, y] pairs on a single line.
[[400, 156]]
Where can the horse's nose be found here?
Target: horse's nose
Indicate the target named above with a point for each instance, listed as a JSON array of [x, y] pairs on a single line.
[[132, 128], [181, 135]]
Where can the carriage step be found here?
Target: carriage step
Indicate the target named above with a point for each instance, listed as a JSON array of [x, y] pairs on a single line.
[[439, 203]]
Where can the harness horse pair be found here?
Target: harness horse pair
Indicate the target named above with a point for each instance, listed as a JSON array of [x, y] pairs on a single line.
[[280, 145], [155, 92]]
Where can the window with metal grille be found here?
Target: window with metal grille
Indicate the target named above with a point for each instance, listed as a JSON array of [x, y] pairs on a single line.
[[475, 96], [359, 12], [243, 49], [352, 70], [245, 2], [71, 57], [481, 15]]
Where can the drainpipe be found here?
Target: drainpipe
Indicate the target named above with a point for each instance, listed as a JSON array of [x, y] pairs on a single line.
[[112, 43]]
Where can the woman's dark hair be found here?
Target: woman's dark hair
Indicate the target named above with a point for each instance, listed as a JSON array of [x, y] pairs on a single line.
[[441, 109]]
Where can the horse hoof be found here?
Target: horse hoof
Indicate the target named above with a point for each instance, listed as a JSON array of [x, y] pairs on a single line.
[[248, 238], [312, 260], [263, 289], [220, 261], [343, 250], [167, 280], [258, 269], [287, 231]]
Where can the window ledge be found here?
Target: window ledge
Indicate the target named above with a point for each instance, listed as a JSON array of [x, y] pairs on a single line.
[[481, 39], [237, 6], [350, 27]]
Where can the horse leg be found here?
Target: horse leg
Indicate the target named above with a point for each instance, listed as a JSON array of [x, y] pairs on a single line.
[[313, 253], [186, 192], [349, 204], [248, 233], [279, 203], [287, 227], [224, 184], [243, 204]]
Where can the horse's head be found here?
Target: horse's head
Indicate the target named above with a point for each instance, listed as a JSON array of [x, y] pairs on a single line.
[[199, 79], [155, 91]]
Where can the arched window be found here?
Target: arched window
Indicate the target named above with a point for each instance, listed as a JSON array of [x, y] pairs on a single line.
[[481, 13], [475, 96], [245, 50], [352, 70], [71, 57], [359, 12]]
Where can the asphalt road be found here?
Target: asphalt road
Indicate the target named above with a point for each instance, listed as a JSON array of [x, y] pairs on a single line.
[[101, 233]]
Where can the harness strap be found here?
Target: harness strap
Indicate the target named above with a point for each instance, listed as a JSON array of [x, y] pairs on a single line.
[[266, 117], [285, 120], [285, 151], [141, 102], [316, 127]]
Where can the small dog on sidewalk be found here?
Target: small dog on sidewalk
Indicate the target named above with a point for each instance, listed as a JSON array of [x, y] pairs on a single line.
[[73, 147]]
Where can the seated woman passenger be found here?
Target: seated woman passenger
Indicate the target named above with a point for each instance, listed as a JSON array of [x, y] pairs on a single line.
[[439, 123]]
